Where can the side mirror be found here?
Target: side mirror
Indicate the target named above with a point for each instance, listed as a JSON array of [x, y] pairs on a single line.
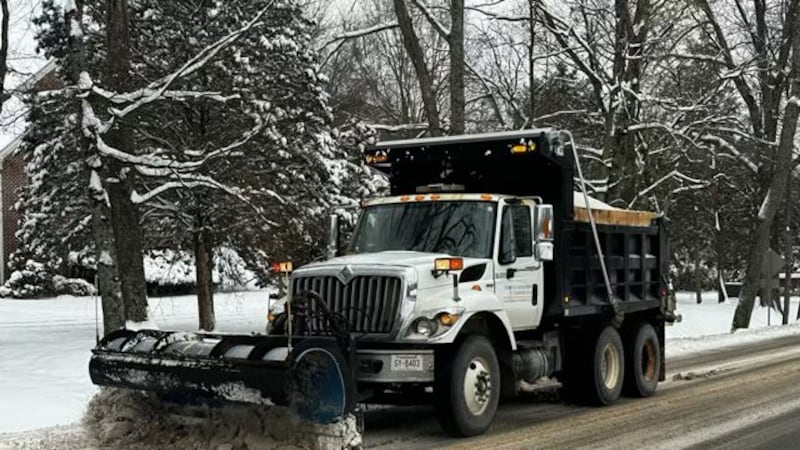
[[333, 236], [543, 216]]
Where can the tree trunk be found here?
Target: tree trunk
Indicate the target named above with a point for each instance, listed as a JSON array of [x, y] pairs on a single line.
[[630, 37], [787, 252], [117, 178], [106, 255], [698, 282], [102, 233], [417, 57], [457, 65], [3, 50], [203, 256], [531, 63], [774, 196]]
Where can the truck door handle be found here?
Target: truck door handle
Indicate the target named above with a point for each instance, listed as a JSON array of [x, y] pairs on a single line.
[[535, 300]]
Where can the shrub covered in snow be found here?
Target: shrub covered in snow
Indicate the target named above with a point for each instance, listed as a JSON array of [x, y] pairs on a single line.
[[30, 281], [35, 280], [72, 286], [170, 271]]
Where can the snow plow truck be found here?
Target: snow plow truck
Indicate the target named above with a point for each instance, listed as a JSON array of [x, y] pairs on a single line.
[[487, 265]]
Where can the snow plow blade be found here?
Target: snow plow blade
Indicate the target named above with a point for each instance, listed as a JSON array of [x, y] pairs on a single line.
[[316, 378]]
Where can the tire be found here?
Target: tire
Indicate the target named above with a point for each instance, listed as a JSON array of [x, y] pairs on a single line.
[[609, 368], [594, 369], [467, 387], [643, 362]]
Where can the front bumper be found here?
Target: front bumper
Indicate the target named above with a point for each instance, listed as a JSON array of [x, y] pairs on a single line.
[[395, 366]]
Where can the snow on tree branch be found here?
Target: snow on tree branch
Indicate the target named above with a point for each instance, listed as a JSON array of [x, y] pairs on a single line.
[[444, 32], [675, 174], [360, 33], [403, 127], [159, 87], [732, 150], [498, 16]]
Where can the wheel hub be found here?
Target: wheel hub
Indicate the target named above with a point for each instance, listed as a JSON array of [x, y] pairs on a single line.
[[477, 386], [610, 366], [649, 361]]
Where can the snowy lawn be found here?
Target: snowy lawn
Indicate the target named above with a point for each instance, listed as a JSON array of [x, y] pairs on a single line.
[[46, 345], [707, 326]]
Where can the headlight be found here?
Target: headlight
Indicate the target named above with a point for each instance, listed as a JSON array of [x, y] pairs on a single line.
[[425, 327]]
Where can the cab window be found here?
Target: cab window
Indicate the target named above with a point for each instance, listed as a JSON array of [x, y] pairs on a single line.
[[516, 238]]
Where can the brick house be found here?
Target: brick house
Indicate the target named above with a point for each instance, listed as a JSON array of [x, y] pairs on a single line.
[[12, 172]]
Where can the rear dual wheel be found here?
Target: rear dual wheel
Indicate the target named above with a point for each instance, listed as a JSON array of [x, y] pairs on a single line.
[[609, 368], [594, 369], [643, 359]]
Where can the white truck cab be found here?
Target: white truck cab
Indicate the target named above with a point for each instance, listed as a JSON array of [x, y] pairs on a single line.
[[499, 242]]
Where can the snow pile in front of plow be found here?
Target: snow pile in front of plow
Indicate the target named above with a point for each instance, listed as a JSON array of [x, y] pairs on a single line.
[[126, 419]]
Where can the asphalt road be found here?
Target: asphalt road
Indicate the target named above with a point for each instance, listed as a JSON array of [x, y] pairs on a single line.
[[782, 432], [742, 398]]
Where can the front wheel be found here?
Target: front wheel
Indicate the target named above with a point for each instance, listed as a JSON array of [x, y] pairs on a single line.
[[467, 387]]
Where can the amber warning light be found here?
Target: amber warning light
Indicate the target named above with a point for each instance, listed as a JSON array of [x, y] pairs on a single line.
[[448, 264], [281, 267]]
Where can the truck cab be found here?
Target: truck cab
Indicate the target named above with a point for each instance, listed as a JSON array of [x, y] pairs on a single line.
[[418, 268]]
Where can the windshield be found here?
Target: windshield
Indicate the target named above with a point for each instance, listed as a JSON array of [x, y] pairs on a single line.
[[458, 228]]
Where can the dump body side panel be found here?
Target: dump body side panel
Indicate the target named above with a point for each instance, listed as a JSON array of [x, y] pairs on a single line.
[[636, 260]]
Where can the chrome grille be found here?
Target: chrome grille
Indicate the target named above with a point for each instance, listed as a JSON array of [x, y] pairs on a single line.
[[369, 303]]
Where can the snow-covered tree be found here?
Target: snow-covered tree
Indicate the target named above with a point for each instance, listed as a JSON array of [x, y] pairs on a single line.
[[233, 144], [55, 226]]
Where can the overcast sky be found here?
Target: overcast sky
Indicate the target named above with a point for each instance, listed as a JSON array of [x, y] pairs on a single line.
[[22, 61]]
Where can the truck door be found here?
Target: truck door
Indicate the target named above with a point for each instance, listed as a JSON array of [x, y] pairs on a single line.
[[518, 275]]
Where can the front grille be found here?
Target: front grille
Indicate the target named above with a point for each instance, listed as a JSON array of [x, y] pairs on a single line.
[[369, 303]]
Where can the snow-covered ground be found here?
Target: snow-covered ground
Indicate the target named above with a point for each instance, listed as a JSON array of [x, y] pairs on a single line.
[[707, 326], [46, 345]]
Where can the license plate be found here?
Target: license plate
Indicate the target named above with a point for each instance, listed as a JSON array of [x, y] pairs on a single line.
[[407, 363]]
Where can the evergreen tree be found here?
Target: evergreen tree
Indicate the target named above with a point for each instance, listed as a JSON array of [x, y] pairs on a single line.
[[250, 161], [55, 218]]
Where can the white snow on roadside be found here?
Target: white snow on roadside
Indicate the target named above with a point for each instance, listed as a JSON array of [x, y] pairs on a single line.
[[706, 326], [46, 346]]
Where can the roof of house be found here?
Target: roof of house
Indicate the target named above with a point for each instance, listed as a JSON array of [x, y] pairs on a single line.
[[27, 85], [9, 149], [30, 83]]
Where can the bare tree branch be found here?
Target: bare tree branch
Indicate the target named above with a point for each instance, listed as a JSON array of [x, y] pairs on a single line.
[[3, 50]]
